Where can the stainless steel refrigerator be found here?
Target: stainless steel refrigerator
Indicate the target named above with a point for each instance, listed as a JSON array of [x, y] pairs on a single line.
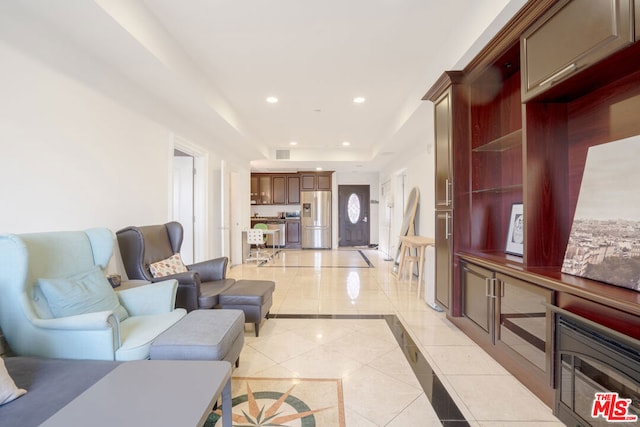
[[315, 219]]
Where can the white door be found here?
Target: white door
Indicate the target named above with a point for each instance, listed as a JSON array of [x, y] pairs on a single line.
[[225, 210], [235, 213], [183, 203]]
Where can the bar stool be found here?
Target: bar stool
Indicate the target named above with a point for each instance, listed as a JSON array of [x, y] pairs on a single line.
[[410, 261], [406, 259]]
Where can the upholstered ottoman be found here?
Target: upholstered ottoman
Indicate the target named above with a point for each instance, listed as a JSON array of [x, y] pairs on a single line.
[[202, 335], [253, 297]]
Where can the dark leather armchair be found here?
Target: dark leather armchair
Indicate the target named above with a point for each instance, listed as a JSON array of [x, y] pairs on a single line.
[[197, 288]]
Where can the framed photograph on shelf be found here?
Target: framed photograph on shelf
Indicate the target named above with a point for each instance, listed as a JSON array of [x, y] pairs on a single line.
[[515, 235]]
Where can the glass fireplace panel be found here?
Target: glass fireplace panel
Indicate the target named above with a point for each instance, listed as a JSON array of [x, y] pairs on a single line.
[[566, 375], [592, 361], [592, 377]]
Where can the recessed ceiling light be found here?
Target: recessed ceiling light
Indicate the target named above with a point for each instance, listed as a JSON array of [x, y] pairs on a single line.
[[293, 143], [345, 143], [272, 99], [359, 99]]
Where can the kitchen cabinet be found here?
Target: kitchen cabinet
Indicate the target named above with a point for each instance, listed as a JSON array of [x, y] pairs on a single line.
[[261, 191], [274, 189], [264, 183], [255, 190], [293, 233], [571, 37], [311, 181], [307, 181], [324, 181], [293, 190], [279, 189]]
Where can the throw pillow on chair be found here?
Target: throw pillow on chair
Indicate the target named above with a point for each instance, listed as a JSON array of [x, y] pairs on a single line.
[[166, 267]]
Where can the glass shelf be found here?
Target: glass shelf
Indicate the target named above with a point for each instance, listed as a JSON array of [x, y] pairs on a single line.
[[506, 142]]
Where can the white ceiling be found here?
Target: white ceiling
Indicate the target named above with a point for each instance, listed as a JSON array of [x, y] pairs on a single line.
[[217, 61]]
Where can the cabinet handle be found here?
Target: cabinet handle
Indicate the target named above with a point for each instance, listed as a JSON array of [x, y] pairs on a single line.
[[447, 232], [490, 290], [447, 192], [566, 70]]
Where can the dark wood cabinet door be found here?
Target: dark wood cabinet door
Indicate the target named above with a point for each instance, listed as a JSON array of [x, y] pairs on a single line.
[[264, 183], [637, 19], [477, 290], [523, 323], [443, 151], [255, 190], [315, 181], [279, 190], [572, 36], [444, 244], [324, 182], [293, 233], [307, 182], [293, 190]]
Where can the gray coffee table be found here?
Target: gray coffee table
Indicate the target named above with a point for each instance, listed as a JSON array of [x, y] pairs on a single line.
[[152, 393]]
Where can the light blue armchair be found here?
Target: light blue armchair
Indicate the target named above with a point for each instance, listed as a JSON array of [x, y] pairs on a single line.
[[32, 324]]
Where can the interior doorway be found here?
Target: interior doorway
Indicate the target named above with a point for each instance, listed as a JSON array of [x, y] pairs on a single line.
[[236, 212], [353, 215], [183, 201], [231, 210], [189, 197]]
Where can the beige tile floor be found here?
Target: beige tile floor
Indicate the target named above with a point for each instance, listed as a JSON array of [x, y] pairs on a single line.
[[380, 388]]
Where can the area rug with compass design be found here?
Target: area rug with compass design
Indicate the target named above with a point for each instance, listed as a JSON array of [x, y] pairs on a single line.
[[299, 402]]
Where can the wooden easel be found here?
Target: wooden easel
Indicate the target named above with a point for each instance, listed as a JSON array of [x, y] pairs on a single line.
[[408, 224]]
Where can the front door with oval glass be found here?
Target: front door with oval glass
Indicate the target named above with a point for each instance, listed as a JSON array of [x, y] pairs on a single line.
[[353, 215]]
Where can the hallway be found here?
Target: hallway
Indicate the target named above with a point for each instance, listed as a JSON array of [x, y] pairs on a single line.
[[337, 314]]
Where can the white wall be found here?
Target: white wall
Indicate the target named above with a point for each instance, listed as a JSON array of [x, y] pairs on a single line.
[[417, 165], [73, 158]]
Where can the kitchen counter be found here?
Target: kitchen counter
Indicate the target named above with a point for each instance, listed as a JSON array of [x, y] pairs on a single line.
[[289, 229], [272, 222], [267, 220]]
